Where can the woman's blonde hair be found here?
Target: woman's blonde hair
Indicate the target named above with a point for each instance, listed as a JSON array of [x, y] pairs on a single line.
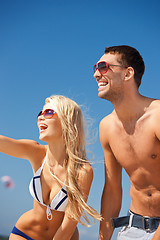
[[72, 122]]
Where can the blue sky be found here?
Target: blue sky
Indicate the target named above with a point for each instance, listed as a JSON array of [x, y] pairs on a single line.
[[49, 47]]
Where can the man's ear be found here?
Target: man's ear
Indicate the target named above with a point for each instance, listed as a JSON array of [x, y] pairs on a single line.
[[129, 73]]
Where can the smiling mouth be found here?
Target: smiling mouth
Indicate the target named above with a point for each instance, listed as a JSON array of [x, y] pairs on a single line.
[[102, 84], [42, 127]]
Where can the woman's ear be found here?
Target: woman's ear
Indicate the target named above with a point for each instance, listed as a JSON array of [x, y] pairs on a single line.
[[129, 73]]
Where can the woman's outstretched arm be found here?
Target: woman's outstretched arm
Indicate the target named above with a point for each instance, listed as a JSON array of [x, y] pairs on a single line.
[[23, 148]]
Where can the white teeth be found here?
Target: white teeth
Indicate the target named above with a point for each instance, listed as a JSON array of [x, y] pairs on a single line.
[[102, 84]]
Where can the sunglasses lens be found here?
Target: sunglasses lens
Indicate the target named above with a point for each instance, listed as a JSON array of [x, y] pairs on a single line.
[[94, 68], [48, 113], [102, 67], [39, 114]]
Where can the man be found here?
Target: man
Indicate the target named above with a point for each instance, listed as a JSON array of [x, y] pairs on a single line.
[[130, 137]]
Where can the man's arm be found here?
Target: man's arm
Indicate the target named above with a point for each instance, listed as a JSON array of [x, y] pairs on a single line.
[[112, 192], [157, 133], [157, 234]]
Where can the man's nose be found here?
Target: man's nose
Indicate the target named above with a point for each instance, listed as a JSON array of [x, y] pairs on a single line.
[[97, 75]]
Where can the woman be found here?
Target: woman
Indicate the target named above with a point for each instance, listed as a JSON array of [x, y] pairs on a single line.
[[62, 175]]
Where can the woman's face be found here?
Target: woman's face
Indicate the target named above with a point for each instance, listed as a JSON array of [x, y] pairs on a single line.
[[49, 128]]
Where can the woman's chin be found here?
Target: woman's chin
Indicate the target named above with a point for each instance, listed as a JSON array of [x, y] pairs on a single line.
[[42, 137]]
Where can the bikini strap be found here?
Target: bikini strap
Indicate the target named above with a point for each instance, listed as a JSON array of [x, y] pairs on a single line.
[[43, 163]]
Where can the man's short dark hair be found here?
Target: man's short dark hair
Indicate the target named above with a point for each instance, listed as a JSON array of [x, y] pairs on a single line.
[[129, 56]]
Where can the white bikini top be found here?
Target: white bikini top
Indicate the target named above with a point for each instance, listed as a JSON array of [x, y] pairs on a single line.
[[58, 203]]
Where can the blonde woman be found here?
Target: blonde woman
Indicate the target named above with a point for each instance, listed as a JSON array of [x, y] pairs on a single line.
[[62, 174]]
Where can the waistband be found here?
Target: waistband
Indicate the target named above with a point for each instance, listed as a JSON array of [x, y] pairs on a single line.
[[135, 220], [16, 231]]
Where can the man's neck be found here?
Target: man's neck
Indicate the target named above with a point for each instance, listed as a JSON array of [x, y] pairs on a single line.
[[131, 108]]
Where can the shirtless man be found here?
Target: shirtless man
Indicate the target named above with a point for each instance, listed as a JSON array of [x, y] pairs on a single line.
[[130, 137]]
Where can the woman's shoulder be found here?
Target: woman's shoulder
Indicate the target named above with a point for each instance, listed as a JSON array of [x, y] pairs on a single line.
[[88, 167], [38, 154], [86, 172]]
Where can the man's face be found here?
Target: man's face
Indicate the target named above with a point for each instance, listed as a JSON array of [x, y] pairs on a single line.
[[110, 83]]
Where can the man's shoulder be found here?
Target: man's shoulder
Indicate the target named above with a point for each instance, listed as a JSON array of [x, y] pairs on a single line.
[[154, 111], [155, 103], [154, 107], [108, 120], [107, 128], [109, 117]]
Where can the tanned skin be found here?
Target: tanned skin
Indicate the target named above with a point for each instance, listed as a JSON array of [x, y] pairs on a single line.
[[130, 137]]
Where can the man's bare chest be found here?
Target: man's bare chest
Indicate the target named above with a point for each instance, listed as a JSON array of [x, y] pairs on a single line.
[[135, 147]]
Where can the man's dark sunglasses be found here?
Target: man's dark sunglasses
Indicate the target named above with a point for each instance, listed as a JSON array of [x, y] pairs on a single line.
[[103, 67]]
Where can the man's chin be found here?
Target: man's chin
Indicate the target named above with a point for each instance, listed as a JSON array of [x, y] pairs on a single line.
[[102, 95]]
